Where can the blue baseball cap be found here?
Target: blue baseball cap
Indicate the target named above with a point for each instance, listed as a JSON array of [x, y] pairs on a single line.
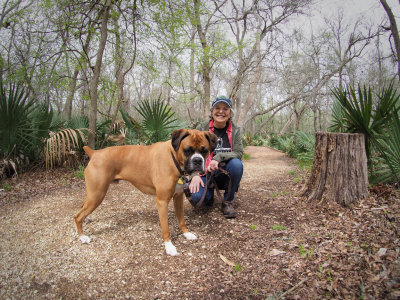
[[223, 99]]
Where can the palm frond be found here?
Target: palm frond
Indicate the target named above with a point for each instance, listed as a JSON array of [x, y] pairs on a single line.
[[16, 132], [158, 120], [389, 147], [135, 131], [277, 142], [389, 102], [359, 115], [356, 108], [305, 142], [77, 122], [338, 117], [61, 146]]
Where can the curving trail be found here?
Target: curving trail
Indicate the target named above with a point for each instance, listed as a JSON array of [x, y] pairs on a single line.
[[265, 163]]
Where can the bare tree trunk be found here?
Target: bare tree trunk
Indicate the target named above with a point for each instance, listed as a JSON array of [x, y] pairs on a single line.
[[72, 88], [85, 92], [192, 73], [395, 32], [242, 111], [314, 109], [294, 117], [380, 60], [168, 86], [339, 171], [205, 64], [320, 120], [120, 73], [96, 75], [287, 124]]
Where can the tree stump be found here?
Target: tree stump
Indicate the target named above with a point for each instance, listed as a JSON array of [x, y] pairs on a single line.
[[339, 172]]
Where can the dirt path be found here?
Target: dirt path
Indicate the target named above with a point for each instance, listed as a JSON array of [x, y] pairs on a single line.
[[265, 164], [277, 244]]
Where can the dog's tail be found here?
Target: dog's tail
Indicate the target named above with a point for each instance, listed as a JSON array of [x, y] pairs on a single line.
[[89, 151]]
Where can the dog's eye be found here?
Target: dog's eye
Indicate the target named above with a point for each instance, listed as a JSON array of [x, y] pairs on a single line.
[[188, 151], [204, 151]]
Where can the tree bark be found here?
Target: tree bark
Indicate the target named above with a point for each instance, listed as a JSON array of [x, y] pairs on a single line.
[[205, 62], [96, 75], [242, 111], [339, 171], [395, 32], [120, 73], [72, 88]]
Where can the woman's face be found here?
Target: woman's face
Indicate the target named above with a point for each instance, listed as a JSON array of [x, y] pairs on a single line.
[[221, 113]]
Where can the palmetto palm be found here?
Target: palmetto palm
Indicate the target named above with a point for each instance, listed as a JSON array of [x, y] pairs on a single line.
[[356, 111], [389, 146], [16, 133], [359, 114], [30, 130], [158, 121]]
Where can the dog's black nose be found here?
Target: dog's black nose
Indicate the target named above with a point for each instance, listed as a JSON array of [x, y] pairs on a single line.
[[197, 161]]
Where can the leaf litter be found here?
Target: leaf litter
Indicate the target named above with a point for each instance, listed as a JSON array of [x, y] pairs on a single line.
[[325, 250]]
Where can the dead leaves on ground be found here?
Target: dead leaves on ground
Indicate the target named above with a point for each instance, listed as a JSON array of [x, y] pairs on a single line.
[[280, 245]]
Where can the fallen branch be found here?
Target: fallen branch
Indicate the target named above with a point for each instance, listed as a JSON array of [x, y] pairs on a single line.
[[227, 261], [291, 289], [379, 208]]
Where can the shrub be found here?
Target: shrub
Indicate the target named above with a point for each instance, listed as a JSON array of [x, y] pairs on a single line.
[[295, 145], [157, 122], [377, 117], [253, 140], [16, 134]]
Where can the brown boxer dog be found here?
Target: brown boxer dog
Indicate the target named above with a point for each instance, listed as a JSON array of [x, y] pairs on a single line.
[[152, 170]]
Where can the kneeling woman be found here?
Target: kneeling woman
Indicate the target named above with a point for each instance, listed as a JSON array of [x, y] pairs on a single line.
[[229, 151]]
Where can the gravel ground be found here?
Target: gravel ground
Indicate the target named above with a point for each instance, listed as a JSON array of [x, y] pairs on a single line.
[[279, 246]]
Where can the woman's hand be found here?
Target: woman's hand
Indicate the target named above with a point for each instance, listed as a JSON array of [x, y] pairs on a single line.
[[213, 166], [195, 183]]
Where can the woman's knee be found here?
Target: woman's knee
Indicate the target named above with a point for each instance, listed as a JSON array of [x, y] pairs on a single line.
[[196, 197], [235, 167]]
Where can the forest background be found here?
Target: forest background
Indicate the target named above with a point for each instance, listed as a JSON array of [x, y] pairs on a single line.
[[71, 71], [108, 72]]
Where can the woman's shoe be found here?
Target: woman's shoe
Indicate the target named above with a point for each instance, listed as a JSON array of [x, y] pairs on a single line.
[[228, 210]]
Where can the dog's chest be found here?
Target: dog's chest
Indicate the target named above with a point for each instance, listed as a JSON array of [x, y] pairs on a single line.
[[182, 186], [178, 188]]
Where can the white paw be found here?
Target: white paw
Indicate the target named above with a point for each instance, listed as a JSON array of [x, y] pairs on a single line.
[[190, 236], [170, 249], [84, 239]]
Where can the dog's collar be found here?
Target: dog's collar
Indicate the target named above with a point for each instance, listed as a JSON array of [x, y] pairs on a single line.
[[181, 172], [183, 179]]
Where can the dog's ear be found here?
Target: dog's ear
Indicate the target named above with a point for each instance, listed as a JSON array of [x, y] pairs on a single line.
[[212, 139], [177, 136]]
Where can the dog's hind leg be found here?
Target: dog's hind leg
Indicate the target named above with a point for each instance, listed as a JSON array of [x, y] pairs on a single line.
[[93, 199]]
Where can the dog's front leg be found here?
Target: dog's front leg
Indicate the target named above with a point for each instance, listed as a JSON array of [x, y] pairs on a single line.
[[162, 206], [179, 211]]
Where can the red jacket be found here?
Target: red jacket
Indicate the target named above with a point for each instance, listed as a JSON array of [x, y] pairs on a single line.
[[229, 133]]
